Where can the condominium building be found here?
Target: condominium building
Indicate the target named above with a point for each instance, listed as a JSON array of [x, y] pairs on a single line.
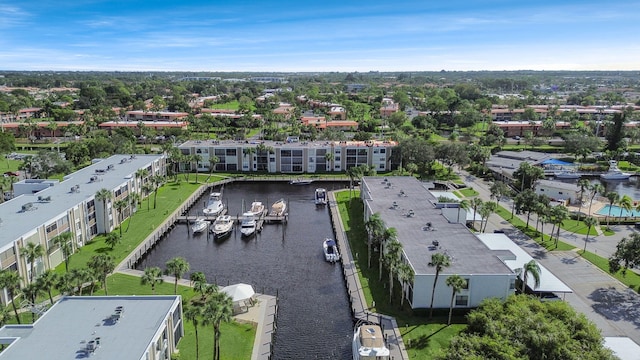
[[52, 208], [99, 327], [291, 157]]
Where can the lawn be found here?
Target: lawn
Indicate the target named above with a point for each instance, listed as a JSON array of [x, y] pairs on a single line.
[[468, 192], [631, 279], [9, 165], [531, 232], [236, 341], [423, 338]]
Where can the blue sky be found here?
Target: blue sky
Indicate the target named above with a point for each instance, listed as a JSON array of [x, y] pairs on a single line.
[[190, 35]]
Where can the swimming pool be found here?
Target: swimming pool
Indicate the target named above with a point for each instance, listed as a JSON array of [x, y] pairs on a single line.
[[616, 211]]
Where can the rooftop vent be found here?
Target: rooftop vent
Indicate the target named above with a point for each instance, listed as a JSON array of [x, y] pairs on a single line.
[[28, 207], [100, 171], [75, 188], [123, 160], [44, 198], [110, 167], [93, 178]]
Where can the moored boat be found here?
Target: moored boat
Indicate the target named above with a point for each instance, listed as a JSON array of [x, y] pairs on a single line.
[[257, 209], [614, 173], [300, 182], [566, 175], [368, 343], [330, 249], [279, 208], [321, 196], [215, 206], [199, 225], [248, 224], [222, 227]]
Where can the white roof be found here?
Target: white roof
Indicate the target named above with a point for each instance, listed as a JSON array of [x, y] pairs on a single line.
[[548, 281], [239, 292], [623, 347]]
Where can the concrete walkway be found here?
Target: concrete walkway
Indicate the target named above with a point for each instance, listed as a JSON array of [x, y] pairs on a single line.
[[605, 301]]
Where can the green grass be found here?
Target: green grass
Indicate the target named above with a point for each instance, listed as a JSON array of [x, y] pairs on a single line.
[[631, 279], [236, 340], [530, 231], [468, 192], [423, 338], [9, 165]]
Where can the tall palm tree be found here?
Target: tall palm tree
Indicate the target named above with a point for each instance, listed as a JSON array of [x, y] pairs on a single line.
[[64, 242], [112, 239], [157, 182], [198, 281], [625, 203], [213, 160], [120, 205], [389, 235], [217, 308], [439, 261], [78, 277], [102, 265], [197, 158], [405, 275], [31, 292], [31, 252], [10, 280], [475, 203], [147, 188], [463, 204], [104, 196], [176, 267], [590, 221], [4, 315], [46, 282], [456, 283], [134, 200], [141, 174], [375, 230], [584, 185], [532, 268], [64, 284], [152, 276], [486, 210], [613, 197], [595, 190], [560, 214], [192, 313], [392, 258]]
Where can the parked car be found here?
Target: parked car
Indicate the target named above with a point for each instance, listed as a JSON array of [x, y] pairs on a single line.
[[11, 173]]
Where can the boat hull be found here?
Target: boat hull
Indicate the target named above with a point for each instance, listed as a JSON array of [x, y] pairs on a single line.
[[330, 250]]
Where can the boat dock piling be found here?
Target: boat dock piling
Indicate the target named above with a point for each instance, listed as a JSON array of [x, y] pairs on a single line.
[[359, 309]]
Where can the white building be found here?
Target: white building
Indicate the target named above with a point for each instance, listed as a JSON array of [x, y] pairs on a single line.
[[405, 204], [559, 191], [100, 328]]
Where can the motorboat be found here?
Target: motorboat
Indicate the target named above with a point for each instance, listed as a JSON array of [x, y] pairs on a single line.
[[330, 249], [215, 206], [321, 196], [614, 173], [368, 343], [279, 208], [199, 225], [301, 181], [248, 224], [257, 209], [566, 175], [222, 226]]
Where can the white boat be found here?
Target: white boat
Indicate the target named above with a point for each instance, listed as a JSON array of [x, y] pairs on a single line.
[[566, 174], [330, 249], [368, 343], [614, 173], [321, 196], [279, 208], [248, 224], [215, 206], [257, 209], [300, 182], [199, 225], [222, 226]]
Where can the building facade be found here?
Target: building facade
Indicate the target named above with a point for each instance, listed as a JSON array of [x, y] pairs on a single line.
[[288, 157]]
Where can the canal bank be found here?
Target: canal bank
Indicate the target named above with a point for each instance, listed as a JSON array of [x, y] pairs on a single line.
[[359, 308]]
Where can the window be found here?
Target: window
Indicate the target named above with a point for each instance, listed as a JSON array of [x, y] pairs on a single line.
[[466, 284], [512, 284], [462, 300]]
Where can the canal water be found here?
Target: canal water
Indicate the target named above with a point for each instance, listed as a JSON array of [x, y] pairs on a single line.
[[314, 318]]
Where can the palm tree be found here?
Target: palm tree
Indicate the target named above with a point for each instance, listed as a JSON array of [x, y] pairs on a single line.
[[498, 190], [197, 158], [560, 214], [141, 174], [157, 182], [613, 199], [46, 281], [584, 185], [78, 277], [475, 204], [464, 204], [64, 284], [120, 205], [103, 195], [198, 281], [134, 199], [193, 313], [486, 210], [375, 230], [595, 190], [147, 188], [440, 261], [405, 275], [590, 221], [4, 315], [102, 265], [31, 291], [64, 242], [217, 308], [31, 252], [10, 280], [389, 235], [176, 267], [625, 203], [213, 160], [530, 267], [392, 258], [112, 239], [456, 283], [152, 276]]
